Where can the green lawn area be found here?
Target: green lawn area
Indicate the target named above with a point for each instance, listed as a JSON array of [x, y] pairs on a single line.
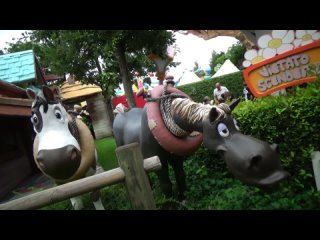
[[106, 153]]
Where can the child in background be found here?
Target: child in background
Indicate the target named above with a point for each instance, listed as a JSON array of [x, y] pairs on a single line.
[[206, 100]]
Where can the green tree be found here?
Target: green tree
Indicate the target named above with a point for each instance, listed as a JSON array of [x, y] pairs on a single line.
[[25, 42], [216, 61], [103, 57], [196, 66], [21, 44], [135, 43], [212, 59], [236, 53], [80, 53]]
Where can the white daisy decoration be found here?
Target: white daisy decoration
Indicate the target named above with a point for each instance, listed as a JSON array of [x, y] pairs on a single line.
[[304, 37], [278, 42], [252, 56]]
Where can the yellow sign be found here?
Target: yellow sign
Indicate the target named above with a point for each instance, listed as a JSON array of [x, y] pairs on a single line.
[[285, 70], [83, 104]]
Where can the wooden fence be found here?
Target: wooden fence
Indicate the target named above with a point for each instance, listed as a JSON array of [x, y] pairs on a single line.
[[132, 171]]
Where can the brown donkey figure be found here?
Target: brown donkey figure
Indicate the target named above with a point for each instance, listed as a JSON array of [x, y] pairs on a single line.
[[63, 149]]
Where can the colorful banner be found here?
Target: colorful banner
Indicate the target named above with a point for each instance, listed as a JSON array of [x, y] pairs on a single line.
[[284, 70]]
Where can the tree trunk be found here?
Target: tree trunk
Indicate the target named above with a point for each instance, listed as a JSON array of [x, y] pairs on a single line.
[[101, 119], [109, 108], [107, 98], [125, 76], [98, 65]]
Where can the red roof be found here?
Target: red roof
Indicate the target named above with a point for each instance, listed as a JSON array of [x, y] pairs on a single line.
[[52, 77], [11, 90], [14, 101]]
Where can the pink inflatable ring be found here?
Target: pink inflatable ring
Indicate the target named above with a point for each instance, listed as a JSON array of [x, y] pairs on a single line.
[[171, 143]]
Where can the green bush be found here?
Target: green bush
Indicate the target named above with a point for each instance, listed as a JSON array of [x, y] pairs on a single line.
[[234, 82]]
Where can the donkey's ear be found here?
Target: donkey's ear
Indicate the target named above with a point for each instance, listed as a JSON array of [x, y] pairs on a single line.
[[31, 94], [213, 114], [234, 104], [48, 93], [56, 92]]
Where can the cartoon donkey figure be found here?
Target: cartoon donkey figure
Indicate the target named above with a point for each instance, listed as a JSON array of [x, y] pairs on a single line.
[[172, 126], [63, 149]]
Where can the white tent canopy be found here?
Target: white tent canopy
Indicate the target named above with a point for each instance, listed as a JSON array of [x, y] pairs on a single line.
[[188, 77], [226, 68]]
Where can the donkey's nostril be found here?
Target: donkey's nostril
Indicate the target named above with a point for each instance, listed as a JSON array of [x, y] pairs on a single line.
[[275, 147], [255, 161], [40, 159], [220, 153], [41, 164], [74, 154]]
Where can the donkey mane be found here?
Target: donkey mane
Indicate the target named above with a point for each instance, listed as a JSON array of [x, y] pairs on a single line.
[[195, 112], [38, 102]]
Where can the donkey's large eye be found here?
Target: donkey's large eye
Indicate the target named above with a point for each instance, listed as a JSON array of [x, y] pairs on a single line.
[[223, 130], [58, 114], [236, 124], [34, 119]]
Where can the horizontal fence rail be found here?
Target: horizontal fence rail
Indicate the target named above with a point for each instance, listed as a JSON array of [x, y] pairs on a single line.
[[75, 188]]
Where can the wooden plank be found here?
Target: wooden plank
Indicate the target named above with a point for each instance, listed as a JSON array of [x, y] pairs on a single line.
[[11, 90], [16, 101], [8, 110], [72, 189], [137, 183]]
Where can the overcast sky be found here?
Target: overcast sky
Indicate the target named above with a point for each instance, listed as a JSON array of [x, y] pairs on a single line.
[[7, 35], [192, 48]]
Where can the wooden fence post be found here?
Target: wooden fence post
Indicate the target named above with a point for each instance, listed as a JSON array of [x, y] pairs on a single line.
[[137, 183]]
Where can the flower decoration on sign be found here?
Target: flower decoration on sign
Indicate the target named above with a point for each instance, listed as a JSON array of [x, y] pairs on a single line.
[[304, 37], [252, 56], [278, 42]]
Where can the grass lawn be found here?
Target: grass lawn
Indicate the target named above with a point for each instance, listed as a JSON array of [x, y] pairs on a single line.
[[106, 153]]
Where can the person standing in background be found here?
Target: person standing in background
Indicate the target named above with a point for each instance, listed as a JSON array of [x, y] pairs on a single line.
[[220, 93]]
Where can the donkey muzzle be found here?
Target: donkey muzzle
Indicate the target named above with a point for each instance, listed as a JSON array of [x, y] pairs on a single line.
[[59, 163]]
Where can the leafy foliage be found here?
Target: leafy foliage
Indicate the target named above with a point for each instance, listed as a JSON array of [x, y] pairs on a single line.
[[196, 66], [235, 54], [103, 57], [216, 61], [27, 42]]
